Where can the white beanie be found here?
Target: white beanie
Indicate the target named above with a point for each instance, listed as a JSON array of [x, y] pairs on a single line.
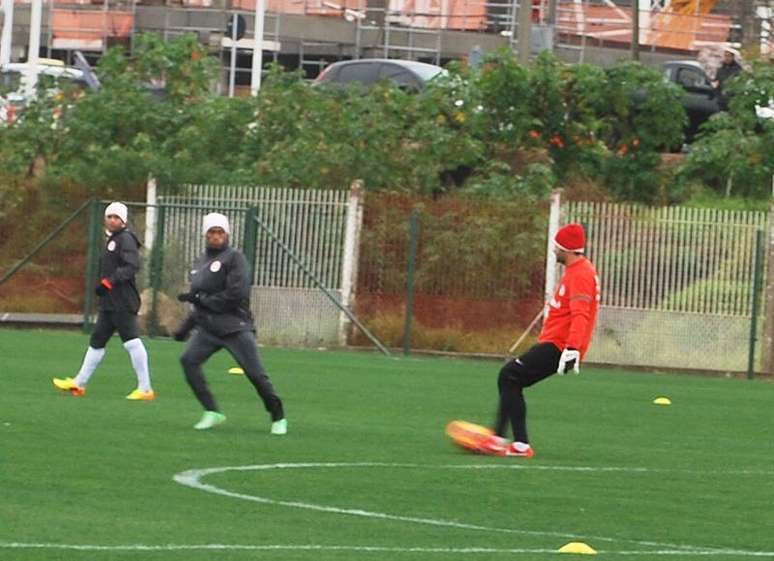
[[215, 220], [119, 209]]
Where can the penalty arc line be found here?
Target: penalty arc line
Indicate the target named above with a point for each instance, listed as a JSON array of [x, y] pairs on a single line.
[[192, 478]]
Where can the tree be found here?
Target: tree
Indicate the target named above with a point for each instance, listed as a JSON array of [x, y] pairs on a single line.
[[733, 152]]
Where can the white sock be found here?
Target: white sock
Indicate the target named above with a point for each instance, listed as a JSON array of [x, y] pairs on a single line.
[[139, 358], [90, 362]]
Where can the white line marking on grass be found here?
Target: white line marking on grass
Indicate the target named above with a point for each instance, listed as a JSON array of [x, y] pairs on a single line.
[[623, 469], [268, 547], [359, 548], [193, 478]]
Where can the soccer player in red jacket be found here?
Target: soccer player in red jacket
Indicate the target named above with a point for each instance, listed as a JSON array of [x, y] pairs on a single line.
[[567, 328]]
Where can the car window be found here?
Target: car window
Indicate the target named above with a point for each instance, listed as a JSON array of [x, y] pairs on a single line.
[[328, 74], [359, 72], [10, 81], [691, 78], [398, 76], [427, 72], [72, 81]]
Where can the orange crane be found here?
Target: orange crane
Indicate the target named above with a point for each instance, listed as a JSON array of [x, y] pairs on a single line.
[[681, 23], [691, 7]]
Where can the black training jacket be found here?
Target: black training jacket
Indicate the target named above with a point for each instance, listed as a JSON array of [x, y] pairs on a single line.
[[119, 264], [219, 279]]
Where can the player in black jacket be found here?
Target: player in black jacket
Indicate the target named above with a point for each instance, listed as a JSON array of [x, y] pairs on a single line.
[[119, 303], [221, 318]]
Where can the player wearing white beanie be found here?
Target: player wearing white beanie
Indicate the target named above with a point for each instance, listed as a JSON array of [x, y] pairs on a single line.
[[119, 302], [117, 209], [215, 220], [220, 296]]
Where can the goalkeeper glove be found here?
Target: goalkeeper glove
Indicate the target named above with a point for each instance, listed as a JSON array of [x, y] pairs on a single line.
[[103, 287], [570, 360]]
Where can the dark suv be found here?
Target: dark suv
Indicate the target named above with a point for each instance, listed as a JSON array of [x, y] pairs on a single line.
[[406, 74], [700, 98]]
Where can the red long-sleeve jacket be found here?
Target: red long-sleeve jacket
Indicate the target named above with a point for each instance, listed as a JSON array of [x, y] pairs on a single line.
[[572, 312]]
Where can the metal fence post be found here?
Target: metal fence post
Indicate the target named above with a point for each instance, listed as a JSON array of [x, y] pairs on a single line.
[[524, 31], [250, 241], [757, 276], [91, 263], [354, 223], [156, 272], [768, 338], [553, 227], [412, 258]]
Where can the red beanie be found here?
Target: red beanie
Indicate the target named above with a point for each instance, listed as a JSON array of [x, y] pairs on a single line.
[[571, 238]]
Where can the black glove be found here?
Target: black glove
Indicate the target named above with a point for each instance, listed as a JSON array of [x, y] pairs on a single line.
[[103, 287], [191, 297], [181, 334]]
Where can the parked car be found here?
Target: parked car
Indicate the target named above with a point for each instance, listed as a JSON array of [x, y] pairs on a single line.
[[406, 74], [701, 99], [52, 74], [765, 112], [51, 70]]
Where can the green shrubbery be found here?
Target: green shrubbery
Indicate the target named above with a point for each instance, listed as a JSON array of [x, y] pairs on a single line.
[[501, 131], [734, 153]]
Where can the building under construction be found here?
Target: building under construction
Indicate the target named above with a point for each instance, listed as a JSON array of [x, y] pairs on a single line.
[[310, 33]]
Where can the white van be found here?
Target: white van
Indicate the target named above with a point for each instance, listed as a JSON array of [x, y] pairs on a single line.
[[52, 74]]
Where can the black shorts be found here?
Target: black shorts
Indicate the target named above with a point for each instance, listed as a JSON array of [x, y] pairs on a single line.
[[538, 363], [110, 322]]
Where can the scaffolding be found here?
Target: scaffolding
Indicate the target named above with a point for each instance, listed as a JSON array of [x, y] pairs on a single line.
[[395, 33], [405, 40], [180, 20], [764, 15], [571, 26], [411, 29], [314, 56]]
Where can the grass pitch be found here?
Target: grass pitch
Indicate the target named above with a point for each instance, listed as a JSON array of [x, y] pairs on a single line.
[[366, 471]]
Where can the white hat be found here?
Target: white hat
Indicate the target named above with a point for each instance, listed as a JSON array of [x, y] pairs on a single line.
[[118, 209], [215, 220]]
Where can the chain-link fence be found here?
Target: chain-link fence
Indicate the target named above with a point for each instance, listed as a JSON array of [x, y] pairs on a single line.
[[273, 227], [681, 287], [42, 261], [477, 277]]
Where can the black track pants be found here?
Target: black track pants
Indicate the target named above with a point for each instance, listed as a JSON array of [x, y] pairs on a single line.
[[538, 363], [243, 348], [108, 322]]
